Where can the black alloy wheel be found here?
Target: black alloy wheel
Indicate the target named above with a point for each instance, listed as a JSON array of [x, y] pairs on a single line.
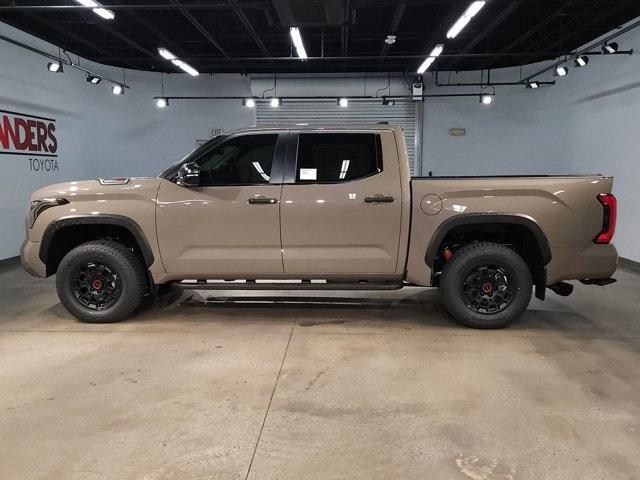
[[96, 285]]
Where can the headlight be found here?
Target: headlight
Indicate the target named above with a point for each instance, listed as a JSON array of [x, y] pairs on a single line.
[[39, 206]]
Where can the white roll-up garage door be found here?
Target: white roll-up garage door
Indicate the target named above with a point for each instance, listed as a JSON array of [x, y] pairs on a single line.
[[403, 114]]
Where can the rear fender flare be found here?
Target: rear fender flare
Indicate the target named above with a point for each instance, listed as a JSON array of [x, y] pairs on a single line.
[[487, 218]]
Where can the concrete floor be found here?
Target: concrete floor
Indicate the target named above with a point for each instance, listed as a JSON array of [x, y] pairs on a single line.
[[341, 386]]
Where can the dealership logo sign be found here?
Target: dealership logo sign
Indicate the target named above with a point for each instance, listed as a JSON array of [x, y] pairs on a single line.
[[30, 135]]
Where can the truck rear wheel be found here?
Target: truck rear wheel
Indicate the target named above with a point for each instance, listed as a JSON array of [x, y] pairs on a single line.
[[101, 282], [486, 285]]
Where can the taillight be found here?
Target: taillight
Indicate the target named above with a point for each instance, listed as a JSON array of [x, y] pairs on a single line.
[[610, 206]]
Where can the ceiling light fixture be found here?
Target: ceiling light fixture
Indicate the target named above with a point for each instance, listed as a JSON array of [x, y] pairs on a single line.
[[274, 102], [98, 9], [55, 67], [185, 67], [466, 17], [248, 102], [561, 71], [343, 102], [609, 48], [486, 99], [162, 102], [389, 102], [166, 54], [117, 89], [533, 85], [93, 79], [581, 61], [431, 58], [297, 42]]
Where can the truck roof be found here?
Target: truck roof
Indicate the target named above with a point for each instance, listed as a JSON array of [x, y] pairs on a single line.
[[317, 126]]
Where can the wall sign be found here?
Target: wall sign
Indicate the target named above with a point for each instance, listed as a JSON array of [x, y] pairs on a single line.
[[23, 134]]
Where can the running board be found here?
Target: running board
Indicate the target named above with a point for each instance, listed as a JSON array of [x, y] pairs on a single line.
[[284, 285]]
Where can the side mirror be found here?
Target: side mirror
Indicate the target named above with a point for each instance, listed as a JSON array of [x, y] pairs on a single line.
[[189, 175]]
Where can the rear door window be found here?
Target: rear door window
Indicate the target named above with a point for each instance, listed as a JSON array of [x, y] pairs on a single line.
[[337, 157]]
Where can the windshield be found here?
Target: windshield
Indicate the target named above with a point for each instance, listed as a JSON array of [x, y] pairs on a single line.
[[192, 155]]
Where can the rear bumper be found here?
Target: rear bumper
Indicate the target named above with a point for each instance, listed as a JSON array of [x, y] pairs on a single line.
[[30, 259], [593, 261]]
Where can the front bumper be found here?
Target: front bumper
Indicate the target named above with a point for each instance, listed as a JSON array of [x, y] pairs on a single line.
[[30, 259]]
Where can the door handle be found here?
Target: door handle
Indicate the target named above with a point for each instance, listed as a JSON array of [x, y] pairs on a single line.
[[262, 200], [379, 199]]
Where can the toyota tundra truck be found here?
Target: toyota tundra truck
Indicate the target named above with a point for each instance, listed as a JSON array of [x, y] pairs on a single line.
[[320, 207]]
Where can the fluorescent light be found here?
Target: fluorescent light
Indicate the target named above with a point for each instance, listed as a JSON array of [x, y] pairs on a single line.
[[466, 17], [98, 9], [104, 13], [54, 67], [166, 54], [117, 90], [486, 99], [431, 58], [249, 102], [581, 61], [343, 102], [186, 67], [162, 102], [561, 71], [610, 48], [533, 85], [275, 102], [297, 42]]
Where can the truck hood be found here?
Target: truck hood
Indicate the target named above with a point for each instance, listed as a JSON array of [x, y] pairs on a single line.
[[102, 188]]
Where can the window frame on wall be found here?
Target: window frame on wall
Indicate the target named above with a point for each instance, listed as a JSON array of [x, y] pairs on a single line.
[[291, 168]]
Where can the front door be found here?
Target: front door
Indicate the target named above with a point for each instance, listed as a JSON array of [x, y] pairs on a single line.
[[229, 227], [341, 210]]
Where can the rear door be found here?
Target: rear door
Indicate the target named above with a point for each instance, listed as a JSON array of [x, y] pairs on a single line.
[[341, 204]]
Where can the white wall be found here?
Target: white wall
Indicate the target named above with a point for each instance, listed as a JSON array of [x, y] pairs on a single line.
[[100, 134], [584, 124]]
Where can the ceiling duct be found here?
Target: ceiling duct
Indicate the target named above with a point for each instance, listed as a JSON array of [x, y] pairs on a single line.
[[310, 13]]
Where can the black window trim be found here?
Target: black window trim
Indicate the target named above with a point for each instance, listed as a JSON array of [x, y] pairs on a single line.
[[291, 164], [277, 166]]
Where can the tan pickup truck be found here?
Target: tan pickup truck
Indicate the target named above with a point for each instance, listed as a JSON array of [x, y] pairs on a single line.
[[320, 207]]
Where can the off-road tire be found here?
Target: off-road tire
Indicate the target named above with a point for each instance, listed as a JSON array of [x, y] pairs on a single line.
[[478, 255], [130, 273]]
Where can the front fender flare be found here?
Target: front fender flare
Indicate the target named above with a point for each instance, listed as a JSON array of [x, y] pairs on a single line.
[[105, 219]]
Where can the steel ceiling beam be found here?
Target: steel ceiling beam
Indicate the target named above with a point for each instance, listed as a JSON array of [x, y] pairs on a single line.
[[612, 11], [395, 23], [247, 24], [205, 33], [224, 6], [502, 16], [78, 38]]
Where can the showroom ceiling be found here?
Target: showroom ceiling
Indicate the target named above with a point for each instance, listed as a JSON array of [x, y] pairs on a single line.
[[253, 36]]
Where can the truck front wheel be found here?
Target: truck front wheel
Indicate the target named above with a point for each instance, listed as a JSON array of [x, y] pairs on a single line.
[[101, 281], [486, 285]]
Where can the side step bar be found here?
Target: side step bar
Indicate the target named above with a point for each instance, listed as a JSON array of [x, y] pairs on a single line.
[[284, 285]]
